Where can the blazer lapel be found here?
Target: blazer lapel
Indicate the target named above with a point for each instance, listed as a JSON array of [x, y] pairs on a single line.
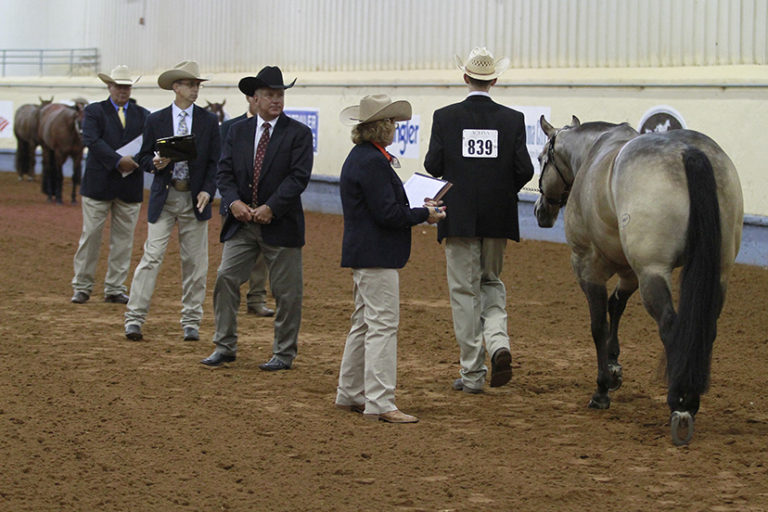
[[249, 134], [274, 142]]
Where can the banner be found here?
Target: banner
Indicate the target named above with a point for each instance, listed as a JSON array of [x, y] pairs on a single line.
[[309, 117], [6, 119]]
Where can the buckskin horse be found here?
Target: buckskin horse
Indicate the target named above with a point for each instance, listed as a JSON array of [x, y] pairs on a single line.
[[59, 133], [640, 206], [25, 122]]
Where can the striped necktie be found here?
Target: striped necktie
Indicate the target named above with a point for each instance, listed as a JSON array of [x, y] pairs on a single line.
[[181, 169]]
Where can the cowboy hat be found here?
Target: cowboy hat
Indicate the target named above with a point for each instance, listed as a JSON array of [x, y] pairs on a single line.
[[184, 70], [119, 76], [481, 65], [375, 107], [269, 76]]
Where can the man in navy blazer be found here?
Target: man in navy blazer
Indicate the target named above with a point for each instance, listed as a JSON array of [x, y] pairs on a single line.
[[180, 194], [265, 165], [480, 147], [110, 186], [256, 298]]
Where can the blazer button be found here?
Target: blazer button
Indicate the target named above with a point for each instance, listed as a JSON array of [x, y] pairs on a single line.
[[250, 185]]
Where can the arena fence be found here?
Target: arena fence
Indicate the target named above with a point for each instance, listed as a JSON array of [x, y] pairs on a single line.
[[50, 62]]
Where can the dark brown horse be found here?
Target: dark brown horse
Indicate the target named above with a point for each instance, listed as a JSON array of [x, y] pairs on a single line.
[[59, 131], [25, 123], [218, 109]]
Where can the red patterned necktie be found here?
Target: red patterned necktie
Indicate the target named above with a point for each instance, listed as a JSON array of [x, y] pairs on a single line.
[[261, 149]]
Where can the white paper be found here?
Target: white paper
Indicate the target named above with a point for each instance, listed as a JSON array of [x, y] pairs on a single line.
[[420, 186], [130, 149]]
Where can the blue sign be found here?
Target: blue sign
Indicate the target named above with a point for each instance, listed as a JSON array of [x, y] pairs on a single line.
[[309, 117], [406, 143]]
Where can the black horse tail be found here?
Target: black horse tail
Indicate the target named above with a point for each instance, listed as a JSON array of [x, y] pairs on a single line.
[[695, 327]]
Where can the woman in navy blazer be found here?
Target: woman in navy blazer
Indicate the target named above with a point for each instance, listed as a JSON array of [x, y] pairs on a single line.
[[377, 242]]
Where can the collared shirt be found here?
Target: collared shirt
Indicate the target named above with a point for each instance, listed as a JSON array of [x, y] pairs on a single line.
[[117, 107], [479, 93], [259, 130], [175, 110]]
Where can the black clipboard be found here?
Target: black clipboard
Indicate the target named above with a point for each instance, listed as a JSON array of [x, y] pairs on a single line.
[[178, 148]]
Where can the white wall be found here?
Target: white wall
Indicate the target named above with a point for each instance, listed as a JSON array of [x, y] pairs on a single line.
[[342, 35]]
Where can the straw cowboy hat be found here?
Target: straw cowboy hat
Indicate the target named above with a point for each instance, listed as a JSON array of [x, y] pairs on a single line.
[[375, 107], [269, 76], [184, 70], [481, 65], [119, 76]]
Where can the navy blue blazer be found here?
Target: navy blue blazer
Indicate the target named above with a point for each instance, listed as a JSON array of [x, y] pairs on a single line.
[[202, 170], [483, 199], [377, 216], [284, 175], [103, 134]]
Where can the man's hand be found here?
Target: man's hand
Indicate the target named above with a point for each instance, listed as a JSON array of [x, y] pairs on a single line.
[[241, 211], [263, 214], [202, 200], [160, 162], [436, 214], [127, 164]]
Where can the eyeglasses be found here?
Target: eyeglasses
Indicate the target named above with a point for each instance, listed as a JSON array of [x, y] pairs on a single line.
[[191, 83]]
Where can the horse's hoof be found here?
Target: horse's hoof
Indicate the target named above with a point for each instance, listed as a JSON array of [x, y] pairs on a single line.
[[599, 402], [616, 378], [676, 421]]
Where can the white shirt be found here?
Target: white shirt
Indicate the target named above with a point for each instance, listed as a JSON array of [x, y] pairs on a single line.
[[479, 93], [175, 111]]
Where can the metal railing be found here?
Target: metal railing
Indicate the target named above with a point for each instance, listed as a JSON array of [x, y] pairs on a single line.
[[50, 62]]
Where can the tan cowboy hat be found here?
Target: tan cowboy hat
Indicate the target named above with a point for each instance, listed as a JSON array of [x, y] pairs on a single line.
[[184, 70], [481, 65], [375, 107], [119, 76]]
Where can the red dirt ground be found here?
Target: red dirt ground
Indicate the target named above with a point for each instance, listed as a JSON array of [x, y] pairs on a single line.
[[91, 421]]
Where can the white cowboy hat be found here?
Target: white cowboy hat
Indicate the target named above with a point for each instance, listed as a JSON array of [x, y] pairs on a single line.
[[375, 107], [481, 65], [119, 76], [184, 70]]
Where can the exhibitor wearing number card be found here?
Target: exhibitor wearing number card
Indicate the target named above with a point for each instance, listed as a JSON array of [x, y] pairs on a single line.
[[479, 146]]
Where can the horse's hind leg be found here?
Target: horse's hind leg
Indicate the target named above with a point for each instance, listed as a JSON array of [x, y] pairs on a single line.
[[616, 304], [22, 159], [597, 298], [77, 169]]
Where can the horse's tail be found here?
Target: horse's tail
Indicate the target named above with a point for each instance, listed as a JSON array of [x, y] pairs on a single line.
[[695, 327]]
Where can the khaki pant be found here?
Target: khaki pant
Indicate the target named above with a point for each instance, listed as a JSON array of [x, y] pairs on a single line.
[[368, 373], [193, 249], [122, 226], [285, 281], [257, 283], [478, 302]]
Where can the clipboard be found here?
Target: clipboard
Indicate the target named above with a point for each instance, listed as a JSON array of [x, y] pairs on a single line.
[[421, 186], [178, 147]]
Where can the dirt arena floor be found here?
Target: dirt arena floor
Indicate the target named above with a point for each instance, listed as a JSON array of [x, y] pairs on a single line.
[[90, 421]]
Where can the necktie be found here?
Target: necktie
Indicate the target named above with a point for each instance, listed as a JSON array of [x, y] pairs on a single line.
[[181, 169], [261, 149], [121, 115]]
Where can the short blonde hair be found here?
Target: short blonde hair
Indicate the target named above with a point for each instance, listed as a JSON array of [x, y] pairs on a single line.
[[380, 131]]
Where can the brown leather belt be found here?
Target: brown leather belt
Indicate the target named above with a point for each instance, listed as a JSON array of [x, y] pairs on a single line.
[[180, 185]]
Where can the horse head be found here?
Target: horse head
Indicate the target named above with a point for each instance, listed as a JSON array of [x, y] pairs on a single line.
[[555, 175], [218, 109]]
